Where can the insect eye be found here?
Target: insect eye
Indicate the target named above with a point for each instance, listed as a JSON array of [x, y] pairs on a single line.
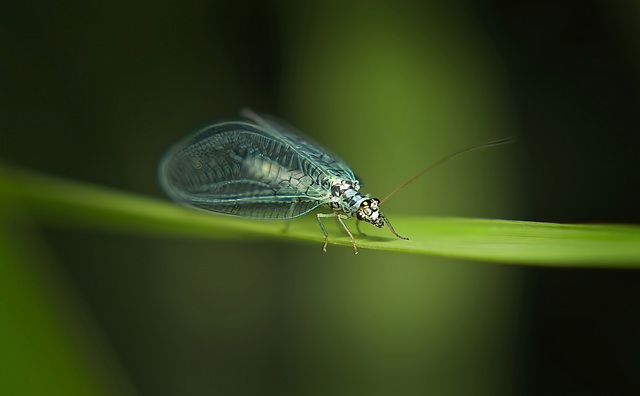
[[365, 203], [360, 216]]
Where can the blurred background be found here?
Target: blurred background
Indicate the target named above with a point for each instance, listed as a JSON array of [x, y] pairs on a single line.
[[96, 92]]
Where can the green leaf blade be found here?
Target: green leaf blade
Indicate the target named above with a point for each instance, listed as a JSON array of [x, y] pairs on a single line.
[[65, 203]]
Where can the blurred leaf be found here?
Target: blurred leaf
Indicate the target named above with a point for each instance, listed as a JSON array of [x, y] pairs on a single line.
[[62, 202], [47, 346]]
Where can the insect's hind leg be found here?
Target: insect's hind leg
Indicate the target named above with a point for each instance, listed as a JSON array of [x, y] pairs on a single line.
[[319, 216], [285, 228]]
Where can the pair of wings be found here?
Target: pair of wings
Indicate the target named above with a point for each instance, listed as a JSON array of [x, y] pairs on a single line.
[[258, 167]]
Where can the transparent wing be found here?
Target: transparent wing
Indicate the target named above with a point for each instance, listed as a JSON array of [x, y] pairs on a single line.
[[249, 169], [331, 162]]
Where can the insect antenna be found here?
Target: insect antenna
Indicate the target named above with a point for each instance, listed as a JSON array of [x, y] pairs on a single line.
[[447, 158]]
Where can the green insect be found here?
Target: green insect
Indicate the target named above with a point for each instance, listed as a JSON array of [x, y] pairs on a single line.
[[260, 168]]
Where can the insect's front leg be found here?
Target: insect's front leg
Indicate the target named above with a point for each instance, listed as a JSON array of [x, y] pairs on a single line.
[[353, 240], [340, 218]]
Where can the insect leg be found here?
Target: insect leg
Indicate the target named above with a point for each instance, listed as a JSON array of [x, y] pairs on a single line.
[[392, 229], [287, 225], [324, 230], [353, 240], [358, 227]]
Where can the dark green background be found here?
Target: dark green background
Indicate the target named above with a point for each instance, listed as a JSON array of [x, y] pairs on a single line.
[[96, 92]]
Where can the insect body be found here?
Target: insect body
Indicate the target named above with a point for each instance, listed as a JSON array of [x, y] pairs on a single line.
[[260, 168]]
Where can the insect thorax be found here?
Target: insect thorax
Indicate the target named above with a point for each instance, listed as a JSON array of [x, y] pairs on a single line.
[[347, 200]]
